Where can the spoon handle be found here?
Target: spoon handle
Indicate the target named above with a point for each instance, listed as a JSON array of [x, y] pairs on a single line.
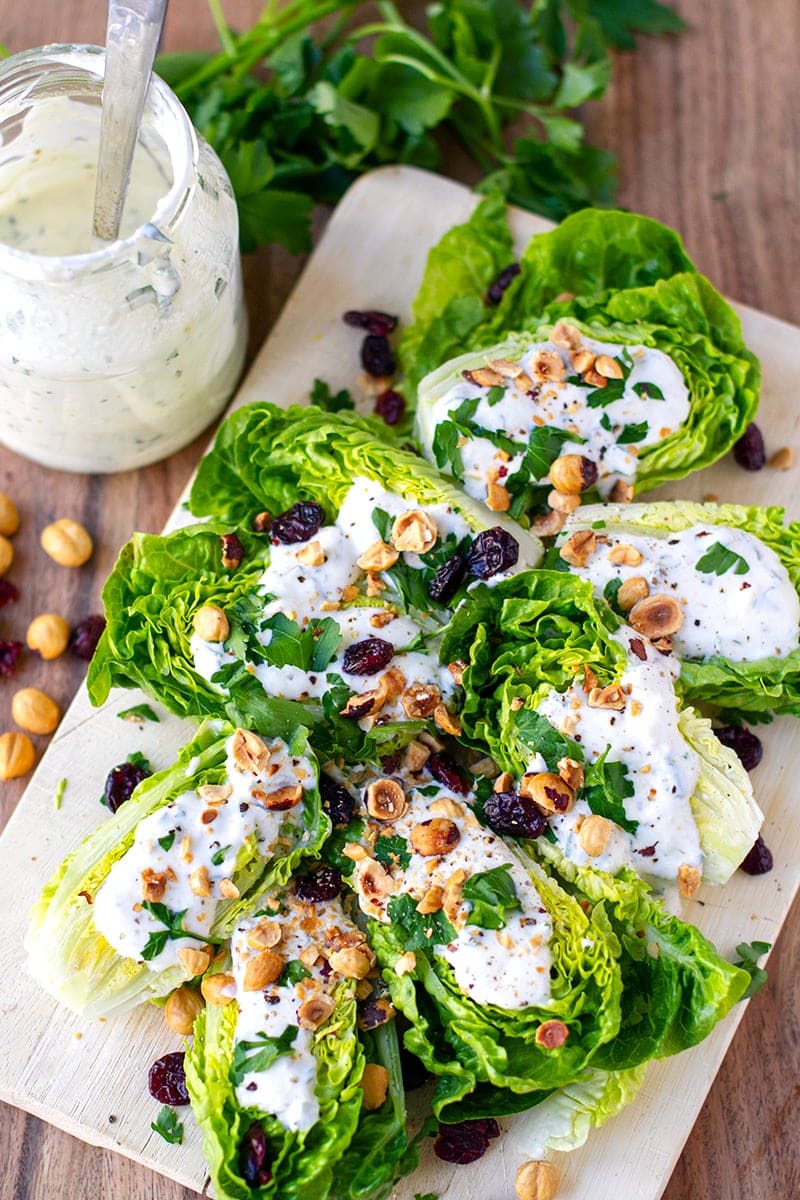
[[132, 37]]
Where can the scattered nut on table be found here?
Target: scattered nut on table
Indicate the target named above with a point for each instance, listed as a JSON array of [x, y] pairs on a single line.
[[16, 755], [9, 517], [537, 1180], [49, 634], [67, 542], [35, 711], [6, 555]]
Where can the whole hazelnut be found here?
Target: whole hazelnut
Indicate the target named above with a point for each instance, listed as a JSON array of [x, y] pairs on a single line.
[[34, 711], [67, 542], [16, 755], [9, 517], [49, 634]]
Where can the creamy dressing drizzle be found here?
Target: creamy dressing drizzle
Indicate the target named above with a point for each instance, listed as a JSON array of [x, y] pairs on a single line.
[[742, 616], [563, 405], [508, 967], [662, 767], [286, 1089], [118, 914]]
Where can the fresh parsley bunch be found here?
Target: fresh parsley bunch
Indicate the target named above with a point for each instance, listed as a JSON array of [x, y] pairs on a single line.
[[308, 99]]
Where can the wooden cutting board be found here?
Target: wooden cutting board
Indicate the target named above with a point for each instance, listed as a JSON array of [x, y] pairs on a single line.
[[89, 1077]]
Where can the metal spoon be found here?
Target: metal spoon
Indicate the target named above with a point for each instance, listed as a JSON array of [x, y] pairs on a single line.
[[132, 36]]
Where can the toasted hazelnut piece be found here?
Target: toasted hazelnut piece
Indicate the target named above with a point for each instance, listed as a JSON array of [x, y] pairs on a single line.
[[374, 1083], [196, 959], [431, 742], [625, 555], [378, 557], [632, 591], [282, 798], [656, 616], [262, 522], [218, 990], [552, 1034], [211, 624], [228, 889], [49, 634], [486, 767], [688, 880], [374, 881], [608, 367], [563, 502], [354, 851], [582, 361], [414, 532], [215, 793], [376, 1013], [594, 379], [498, 497], [315, 1011], [782, 459], [434, 837], [249, 752], [663, 645], [263, 968], [200, 881], [6, 555], [375, 585], [612, 697], [445, 807], [67, 543], [504, 782], [390, 685], [594, 835], [182, 1009], [579, 547], [484, 377], [9, 516], [506, 368], [432, 900], [548, 791], [386, 800], [406, 963], [548, 365], [453, 896], [34, 711], [264, 935], [16, 755], [573, 474], [457, 669], [537, 1180], [622, 492], [446, 721], [364, 988], [380, 619], [373, 385], [548, 524], [154, 884], [566, 336], [571, 772], [420, 700], [309, 954], [311, 555], [416, 755], [360, 706], [354, 962]]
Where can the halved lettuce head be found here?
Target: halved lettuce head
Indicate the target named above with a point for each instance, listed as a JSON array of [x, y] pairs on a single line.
[[67, 954], [533, 634], [751, 689]]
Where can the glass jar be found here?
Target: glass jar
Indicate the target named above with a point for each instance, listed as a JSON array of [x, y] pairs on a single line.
[[112, 354]]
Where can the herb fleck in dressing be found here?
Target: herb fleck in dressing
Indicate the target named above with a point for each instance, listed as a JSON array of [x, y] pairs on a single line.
[[189, 836], [736, 594], [608, 425]]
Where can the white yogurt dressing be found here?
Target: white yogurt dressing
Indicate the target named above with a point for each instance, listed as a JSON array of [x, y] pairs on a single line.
[[508, 967], [196, 834], [286, 1089], [662, 767], [749, 611], [563, 405]]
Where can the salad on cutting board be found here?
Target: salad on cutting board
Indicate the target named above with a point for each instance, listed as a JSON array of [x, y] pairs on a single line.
[[468, 722]]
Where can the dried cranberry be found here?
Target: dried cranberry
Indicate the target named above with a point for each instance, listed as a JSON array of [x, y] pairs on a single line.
[[367, 657], [758, 859], [253, 1157], [232, 551], [390, 763], [324, 883], [743, 742], [86, 635], [499, 285], [8, 593], [336, 800], [390, 407], [749, 451], [166, 1080], [466, 1141], [378, 323], [448, 579], [9, 657], [444, 771], [120, 784], [298, 523], [492, 551], [516, 816], [377, 356]]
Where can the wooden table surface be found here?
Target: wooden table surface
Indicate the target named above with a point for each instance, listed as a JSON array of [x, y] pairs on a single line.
[[706, 130]]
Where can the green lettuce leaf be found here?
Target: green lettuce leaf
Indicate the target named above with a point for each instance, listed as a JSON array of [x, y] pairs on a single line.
[[751, 690], [564, 1120], [66, 953]]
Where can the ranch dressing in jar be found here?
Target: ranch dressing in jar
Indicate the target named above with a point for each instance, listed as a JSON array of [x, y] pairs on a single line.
[[112, 354]]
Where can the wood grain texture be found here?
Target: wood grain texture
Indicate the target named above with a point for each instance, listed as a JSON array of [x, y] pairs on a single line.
[[706, 131]]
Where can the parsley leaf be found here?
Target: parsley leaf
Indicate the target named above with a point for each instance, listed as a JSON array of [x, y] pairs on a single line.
[[606, 785], [168, 1126], [749, 954], [446, 450], [633, 433], [392, 851], [535, 731], [383, 523], [139, 760], [139, 712], [167, 841], [422, 930], [611, 593], [173, 929], [293, 972], [492, 894], [329, 401], [648, 391], [218, 857], [261, 1053], [718, 559]]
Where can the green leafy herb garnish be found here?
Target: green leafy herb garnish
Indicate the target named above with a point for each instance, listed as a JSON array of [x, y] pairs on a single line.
[[536, 732], [392, 851], [168, 1126], [611, 594], [606, 785], [218, 857], [492, 894], [329, 401], [718, 559], [749, 954], [59, 796], [648, 391], [167, 841], [293, 972], [495, 395], [173, 929], [139, 712], [260, 1053], [139, 760], [633, 433], [422, 930]]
